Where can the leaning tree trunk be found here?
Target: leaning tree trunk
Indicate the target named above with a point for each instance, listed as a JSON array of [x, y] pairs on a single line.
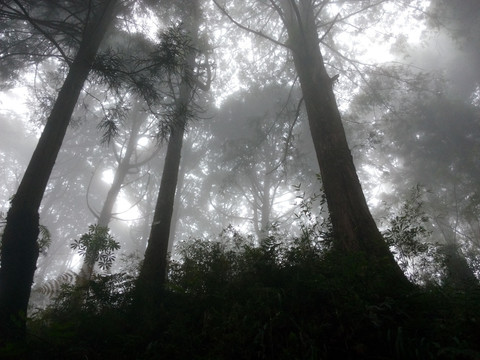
[[153, 273], [124, 166], [353, 225], [176, 208], [19, 241]]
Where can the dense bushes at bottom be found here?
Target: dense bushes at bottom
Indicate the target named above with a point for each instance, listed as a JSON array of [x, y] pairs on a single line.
[[273, 301]]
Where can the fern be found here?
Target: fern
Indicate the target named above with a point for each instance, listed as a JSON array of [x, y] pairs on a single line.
[[53, 287]]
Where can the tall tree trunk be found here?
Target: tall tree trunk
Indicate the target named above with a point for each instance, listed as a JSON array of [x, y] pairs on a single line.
[[353, 225], [19, 242], [266, 203], [154, 269], [121, 173], [261, 204], [153, 273], [176, 208]]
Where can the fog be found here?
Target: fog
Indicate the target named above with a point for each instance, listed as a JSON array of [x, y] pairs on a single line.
[[223, 144], [407, 83]]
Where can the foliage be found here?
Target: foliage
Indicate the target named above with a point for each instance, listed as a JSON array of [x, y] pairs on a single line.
[[66, 330], [282, 299], [408, 237], [313, 226], [110, 125], [44, 239], [53, 287], [97, 246], [279, 301]]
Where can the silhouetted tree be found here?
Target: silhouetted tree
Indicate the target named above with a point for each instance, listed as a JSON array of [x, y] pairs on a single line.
[[353, 225], [154, 269], [19, 246]]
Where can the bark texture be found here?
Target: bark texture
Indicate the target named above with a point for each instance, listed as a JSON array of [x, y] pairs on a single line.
[[19, 241], [353, 225]]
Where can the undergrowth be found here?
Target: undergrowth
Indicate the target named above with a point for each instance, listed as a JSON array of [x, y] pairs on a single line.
[[279, 300]]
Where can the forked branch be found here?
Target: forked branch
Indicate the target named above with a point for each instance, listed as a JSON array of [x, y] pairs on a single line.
[[246, 28]]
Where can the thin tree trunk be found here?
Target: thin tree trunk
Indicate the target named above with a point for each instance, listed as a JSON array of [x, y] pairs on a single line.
[[266, 200], [19, 242], [353, 225], [121, 173]]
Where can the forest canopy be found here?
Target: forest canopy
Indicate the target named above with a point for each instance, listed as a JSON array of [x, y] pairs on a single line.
[[224, 179]]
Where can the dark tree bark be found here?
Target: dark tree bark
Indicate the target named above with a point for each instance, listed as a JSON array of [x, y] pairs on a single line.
[[19, 242], [176, 208], [154, 270], [458, 275], [353, 225]]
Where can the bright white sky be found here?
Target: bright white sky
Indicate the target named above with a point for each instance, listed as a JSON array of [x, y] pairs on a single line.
[[375, 40]]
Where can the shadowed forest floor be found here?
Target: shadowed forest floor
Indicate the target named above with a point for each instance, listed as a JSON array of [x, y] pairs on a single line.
[[266, 302]]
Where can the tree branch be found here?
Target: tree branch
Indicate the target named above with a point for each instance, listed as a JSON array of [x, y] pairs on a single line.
[[299, 18], [44, 33], [258, 33], [279, 11], [95, 213], [289, 137], [333, 22]]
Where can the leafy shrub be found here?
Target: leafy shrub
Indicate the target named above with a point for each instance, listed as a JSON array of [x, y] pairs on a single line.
[[280, 299], [98, 246], [408, 239]]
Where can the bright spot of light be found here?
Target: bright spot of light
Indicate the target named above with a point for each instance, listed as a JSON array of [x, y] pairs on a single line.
[[143, 141], [285, 202], [108, 176], [14, 100], [125, 209], [380, 189], [76, 263]]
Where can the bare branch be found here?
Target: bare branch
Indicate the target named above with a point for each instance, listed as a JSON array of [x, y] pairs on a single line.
[[246, 28], [290, 130], [279, 11], [289, 137], [147, 159], [333, 22], [322, 6], [361, 10], [95, 213]]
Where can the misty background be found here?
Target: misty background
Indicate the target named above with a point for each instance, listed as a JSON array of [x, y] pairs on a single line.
[[408, 88]]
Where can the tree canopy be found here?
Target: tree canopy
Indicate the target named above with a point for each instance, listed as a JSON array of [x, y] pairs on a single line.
[[225, 179]]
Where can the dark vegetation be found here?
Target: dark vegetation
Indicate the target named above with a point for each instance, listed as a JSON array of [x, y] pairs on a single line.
[[240, 101], [280, 299]]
